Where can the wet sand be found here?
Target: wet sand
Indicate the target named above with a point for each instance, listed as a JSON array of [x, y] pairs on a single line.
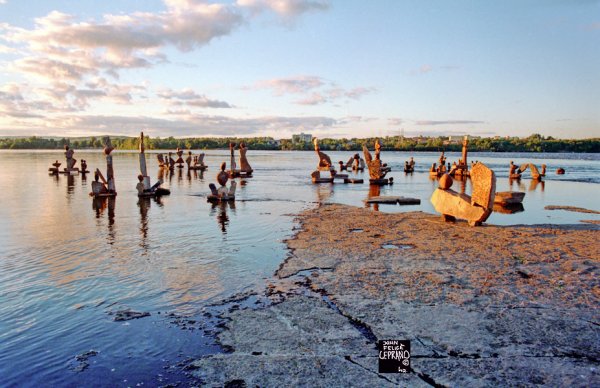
[[481, 306]]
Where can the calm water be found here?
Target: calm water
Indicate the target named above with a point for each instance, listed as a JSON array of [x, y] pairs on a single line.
[[67, 262]]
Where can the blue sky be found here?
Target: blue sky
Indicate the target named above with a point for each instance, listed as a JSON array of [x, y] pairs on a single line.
[[276, 67]]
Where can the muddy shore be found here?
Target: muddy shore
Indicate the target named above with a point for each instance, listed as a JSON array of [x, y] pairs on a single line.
[[481, 306]]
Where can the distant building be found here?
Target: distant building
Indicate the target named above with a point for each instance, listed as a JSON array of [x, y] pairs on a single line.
[[302, 138]]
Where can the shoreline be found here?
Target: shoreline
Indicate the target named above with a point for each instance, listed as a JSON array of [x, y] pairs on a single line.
[[512, 305], [354, 150]]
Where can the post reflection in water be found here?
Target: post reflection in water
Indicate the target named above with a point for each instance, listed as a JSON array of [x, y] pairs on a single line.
[[221, 209], [193, 175], [100, 205], [520, 186], [374, 191], [535, 183], [144, 203], [70, 184], [324, 191], [56, 179], [179, 176], [463, 182]]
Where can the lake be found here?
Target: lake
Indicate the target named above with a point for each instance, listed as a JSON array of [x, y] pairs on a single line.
[[68, 263]]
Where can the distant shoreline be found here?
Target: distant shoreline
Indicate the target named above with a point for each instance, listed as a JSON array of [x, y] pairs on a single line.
[[196, 150], [534, 143]]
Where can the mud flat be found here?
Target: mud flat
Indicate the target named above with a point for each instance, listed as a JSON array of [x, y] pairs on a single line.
[[481, 306]]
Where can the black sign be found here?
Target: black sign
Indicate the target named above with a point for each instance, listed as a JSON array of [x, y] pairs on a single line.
[[394, 356]]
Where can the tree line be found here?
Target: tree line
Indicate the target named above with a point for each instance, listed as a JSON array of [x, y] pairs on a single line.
[[533, 143]]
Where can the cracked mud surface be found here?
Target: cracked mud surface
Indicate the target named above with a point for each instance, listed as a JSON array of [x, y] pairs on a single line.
[[481, 306]]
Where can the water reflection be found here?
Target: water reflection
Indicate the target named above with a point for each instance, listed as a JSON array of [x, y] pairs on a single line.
[[100, 204], [462, 181], [70, 184], [193, 175], [179, 176], [324, 191], [374, 191], [221, 209], [512, 182], [509, 209], [182, 263], [535, 183], [144, 203]]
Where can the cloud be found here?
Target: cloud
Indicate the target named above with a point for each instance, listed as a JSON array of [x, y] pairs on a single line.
[[14, 103], [67, 54], [286, 8], [187, 125], [395, 121], [444, 133], [127, 39], [448, 122], [27, 101], [424, 69], [315, 90], [355, 119], [187, 97], [357, 93], [290, 85], [313, 99]]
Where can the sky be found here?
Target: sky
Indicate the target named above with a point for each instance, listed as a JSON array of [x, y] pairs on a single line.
[[347, 68]]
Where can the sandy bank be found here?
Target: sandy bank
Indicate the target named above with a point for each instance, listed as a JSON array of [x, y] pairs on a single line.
[[481, 306]]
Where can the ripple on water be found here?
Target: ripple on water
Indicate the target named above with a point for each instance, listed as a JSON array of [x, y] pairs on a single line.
[[67, 261]]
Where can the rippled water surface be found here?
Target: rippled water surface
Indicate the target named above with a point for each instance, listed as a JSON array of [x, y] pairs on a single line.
[[68, 262]]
